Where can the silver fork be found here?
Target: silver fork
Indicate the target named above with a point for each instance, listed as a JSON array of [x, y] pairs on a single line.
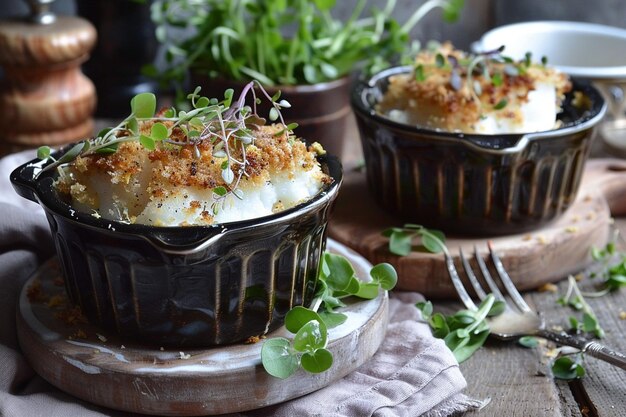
[[518, 319]]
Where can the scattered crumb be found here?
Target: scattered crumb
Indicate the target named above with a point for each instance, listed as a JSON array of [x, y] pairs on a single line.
[[542, 240], [575, 219], [56, 301], [579, 276], [35, 294], [101, 337], [78, 334], [551, 353], [591, 215], [548, 287], [184, 355], [253, 339], [71, 315], [622, 315], [587, 198], [527, 237], [571, 229], [161, 348], [557, 328]]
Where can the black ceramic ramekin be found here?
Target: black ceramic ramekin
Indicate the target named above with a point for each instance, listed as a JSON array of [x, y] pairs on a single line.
[[186, 286], [473, 184]]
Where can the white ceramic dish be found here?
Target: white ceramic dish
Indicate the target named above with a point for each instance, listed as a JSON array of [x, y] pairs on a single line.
[[579, 49]]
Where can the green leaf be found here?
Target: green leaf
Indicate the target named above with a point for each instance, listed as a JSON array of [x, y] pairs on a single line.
[[147, 142], [368, 291], [419, 73], [228, 175], [340, 271], [131, 125], [202, 102], [109, 149], [528, 342], [452, 10], [159, 132], [565, 368], [313, 335], [433, 240], [497, 308], [72, 153], [354, 286], [143, 105], [277, 358], [440, 61], [332, 320], [324, 4], [298, 317], [220, 191], [319, 361], [439, 324], [385, 275], [43, 152], [273, 114], [228, 97], [466, 346], [500, 104], [400, 243], [426, 308]]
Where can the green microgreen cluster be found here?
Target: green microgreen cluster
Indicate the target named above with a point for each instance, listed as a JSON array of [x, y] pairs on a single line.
[[612, 275], [568, 367], [227, 124], [401, 239], [286, 42], [492, 65], [337, 280], [465, 331]]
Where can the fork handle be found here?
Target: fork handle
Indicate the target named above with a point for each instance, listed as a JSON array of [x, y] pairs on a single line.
[[590, 347]]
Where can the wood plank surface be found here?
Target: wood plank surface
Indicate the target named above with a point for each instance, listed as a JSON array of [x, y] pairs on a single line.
[[518, 380]]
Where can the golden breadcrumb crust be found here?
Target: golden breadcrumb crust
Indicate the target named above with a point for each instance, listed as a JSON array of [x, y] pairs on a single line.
[[440, 105]]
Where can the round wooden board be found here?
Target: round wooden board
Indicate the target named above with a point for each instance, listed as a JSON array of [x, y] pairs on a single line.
[[532, 259], [103, 369]]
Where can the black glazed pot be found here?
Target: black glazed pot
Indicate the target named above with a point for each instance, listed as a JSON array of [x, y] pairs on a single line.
[[471, 184], [186, 286]]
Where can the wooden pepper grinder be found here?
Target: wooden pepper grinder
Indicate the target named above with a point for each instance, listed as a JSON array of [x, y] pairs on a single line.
[[45, 99]]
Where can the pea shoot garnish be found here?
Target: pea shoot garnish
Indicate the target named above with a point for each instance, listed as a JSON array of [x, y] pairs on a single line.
[[337, 280]]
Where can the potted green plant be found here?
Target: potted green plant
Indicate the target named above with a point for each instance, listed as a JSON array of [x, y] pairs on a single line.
[[293, 46]]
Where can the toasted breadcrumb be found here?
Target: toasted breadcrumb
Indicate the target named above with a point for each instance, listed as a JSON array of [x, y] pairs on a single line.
[[135, 177], [435, 102]]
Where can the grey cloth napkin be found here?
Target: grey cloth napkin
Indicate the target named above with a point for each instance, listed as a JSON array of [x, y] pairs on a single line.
[[412, 373]]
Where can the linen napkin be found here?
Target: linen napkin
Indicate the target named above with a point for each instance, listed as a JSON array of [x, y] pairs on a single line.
[[412, 373]]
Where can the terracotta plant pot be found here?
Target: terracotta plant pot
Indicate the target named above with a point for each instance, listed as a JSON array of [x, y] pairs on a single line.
[[321, 110]]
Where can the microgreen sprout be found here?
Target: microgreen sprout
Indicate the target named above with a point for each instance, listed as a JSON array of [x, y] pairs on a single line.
[[337, 280], [228, 125], [401, 239], [465, 331], [284, 42]]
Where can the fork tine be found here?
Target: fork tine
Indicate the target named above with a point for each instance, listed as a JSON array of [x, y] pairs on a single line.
[[472, 277], [487, 275], [458, 284], [508, 283]]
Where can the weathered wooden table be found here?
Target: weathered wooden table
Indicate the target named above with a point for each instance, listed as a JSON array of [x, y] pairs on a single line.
[[518, 380]]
